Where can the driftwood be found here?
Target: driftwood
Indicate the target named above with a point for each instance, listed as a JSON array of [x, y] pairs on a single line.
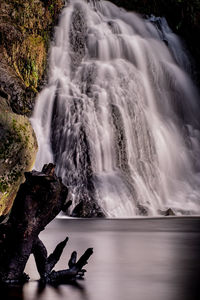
[[38, 202]]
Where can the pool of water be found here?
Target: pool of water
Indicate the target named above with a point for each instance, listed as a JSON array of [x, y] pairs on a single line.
[[134, 259]]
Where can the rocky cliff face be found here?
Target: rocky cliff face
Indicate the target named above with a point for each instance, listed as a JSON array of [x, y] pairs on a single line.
[[26, 28], [25, 31]]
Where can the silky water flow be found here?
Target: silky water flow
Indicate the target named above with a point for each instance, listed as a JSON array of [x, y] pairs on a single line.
[[119, 114]]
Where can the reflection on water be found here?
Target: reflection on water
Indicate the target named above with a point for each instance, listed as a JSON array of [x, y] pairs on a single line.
[[14, 293], [138, 259]]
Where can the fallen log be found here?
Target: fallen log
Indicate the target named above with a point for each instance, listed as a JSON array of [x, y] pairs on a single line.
[[39, 200]]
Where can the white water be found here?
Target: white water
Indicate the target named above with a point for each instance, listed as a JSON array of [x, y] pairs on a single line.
[[119, 113]]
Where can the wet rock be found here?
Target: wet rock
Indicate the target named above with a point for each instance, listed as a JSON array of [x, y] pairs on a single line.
[[142, 210], [166, 213], [87, 210], [77, 37]]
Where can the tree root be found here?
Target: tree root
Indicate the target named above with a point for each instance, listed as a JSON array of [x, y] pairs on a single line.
[[39, 200]]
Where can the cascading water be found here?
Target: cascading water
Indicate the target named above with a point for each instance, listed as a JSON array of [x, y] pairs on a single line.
[[119, 113]]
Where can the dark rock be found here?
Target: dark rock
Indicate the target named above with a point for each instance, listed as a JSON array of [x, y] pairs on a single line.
[[86, 211], [77, 210], [2, 218], [77, 37], [142, 210], [166, 213]]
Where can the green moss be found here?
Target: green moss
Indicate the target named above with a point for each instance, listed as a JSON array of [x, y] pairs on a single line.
[[46, 38], [25, 35], [25, 38], [34, 75], [3, 186], [18, 148], [51, 9], [31, 65]]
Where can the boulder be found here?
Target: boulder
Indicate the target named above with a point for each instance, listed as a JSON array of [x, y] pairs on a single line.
[[18, 148], [168, 212]]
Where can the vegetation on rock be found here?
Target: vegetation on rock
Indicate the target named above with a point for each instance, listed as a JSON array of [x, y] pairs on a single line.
[[18, 147], [25, 31]]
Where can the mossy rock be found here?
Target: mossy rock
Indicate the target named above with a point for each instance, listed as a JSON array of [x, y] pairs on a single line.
[[31, 66], [18, 148], [26, 28]]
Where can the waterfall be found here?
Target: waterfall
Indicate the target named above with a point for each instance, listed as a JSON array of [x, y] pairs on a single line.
[[119, 115]]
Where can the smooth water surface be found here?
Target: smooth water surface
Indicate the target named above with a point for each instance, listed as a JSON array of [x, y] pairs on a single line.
[[140, 259]]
